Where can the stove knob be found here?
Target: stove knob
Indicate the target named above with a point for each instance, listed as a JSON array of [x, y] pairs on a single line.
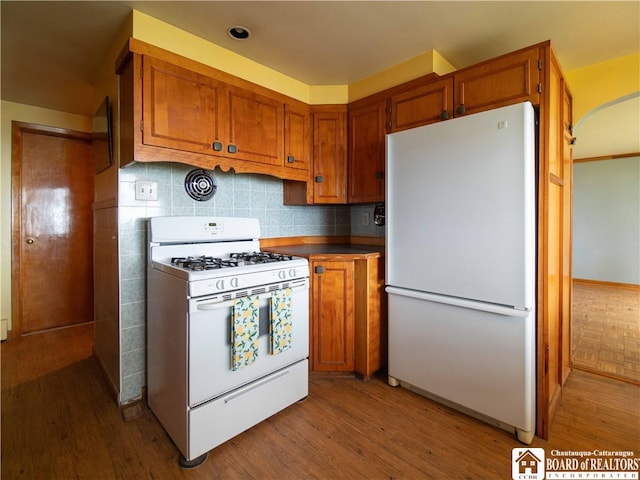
[[282, 275], [234, 282], [220, 284], [292, 273]]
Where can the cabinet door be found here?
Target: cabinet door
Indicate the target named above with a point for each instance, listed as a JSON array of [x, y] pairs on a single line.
[[255, 126], [366, 153], [504, 81], [333, 317], [329, 157], [182, 109], [420, 106], [297, 137]]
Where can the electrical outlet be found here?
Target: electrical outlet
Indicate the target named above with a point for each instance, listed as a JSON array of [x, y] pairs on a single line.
[[146, 190], [365, 218]]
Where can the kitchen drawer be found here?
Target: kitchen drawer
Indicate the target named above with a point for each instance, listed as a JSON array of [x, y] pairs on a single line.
[[225, 417]]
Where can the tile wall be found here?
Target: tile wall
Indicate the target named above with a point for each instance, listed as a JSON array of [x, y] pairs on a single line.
[[258, 196]]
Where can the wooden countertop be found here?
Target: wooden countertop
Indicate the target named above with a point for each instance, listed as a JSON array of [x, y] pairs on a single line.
[[353, 251]]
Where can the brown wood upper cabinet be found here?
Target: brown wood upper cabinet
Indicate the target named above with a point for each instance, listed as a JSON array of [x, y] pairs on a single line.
[[183, 109], [255, 126], [329, 154], [177, 110], [366, 152], [422, 105], [327, 179], [189, 111], [498, 82], [504, 80], [297, 137]]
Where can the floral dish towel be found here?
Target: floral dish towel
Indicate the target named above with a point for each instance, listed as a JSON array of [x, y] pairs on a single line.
[[245, 331], [281, 327]]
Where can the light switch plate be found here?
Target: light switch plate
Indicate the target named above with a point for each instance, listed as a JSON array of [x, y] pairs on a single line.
[[146, 190]]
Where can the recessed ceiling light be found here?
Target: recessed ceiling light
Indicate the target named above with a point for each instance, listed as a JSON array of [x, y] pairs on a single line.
[[239, 33]]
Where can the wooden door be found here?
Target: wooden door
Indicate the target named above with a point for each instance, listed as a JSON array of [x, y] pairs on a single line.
[[367, 153], [333, 344], [255, 126], [422, 105], [182, 109], [329, 156], [52, 228], [503, 81]]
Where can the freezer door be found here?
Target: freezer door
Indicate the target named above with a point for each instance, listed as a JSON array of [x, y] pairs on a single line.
[[479, 359], [461, 207]]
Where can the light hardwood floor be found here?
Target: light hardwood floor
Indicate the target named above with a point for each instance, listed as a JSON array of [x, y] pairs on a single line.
[[59, 422], [606, 329]]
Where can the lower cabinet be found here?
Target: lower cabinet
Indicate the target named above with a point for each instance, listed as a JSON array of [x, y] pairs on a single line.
[[347, 306], [332, 316], [348, 314]]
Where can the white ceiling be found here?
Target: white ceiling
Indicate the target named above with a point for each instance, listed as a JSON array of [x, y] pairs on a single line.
[[52, 52]]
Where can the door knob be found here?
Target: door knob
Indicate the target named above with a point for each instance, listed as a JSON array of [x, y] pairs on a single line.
[[30, 241]]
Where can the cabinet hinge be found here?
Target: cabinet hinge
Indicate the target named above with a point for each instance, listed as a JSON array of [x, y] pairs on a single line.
[[141, 71], [142, 125], [539, 64], [539, 88]]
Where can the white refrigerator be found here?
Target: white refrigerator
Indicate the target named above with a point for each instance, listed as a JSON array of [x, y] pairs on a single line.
[[460, 264]]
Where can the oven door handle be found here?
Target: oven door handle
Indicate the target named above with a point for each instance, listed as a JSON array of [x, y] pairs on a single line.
[[230, 303], [227, 303]]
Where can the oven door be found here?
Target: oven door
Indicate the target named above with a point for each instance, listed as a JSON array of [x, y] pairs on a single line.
[[210, 365]]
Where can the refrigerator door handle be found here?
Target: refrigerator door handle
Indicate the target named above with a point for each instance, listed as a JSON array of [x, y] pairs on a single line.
[[460, 302]]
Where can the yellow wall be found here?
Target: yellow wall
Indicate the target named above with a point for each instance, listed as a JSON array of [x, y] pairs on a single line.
[[601, 83], [428, 62]]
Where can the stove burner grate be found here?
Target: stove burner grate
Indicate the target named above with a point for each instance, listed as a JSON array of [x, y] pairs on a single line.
[[202, 262], [260, 257]]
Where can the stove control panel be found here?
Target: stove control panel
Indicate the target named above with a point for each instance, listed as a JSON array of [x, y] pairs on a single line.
[[213, 227], [260, 276]]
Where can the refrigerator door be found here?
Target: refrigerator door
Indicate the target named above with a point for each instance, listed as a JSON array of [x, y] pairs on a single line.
[[481, 360], [461, 207]]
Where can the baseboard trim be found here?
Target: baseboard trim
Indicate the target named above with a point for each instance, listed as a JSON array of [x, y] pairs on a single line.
[[111, 388], [605, 283], [602, 373]]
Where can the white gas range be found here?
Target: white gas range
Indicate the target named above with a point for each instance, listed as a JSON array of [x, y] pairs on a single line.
[[227, 330]]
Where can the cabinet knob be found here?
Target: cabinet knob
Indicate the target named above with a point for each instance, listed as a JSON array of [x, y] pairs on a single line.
[[30, 241], [379, 175], [217, 146], [444, 115], [232, 149], [291, 159], [460, 110], [319, 179], [319, 269]]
